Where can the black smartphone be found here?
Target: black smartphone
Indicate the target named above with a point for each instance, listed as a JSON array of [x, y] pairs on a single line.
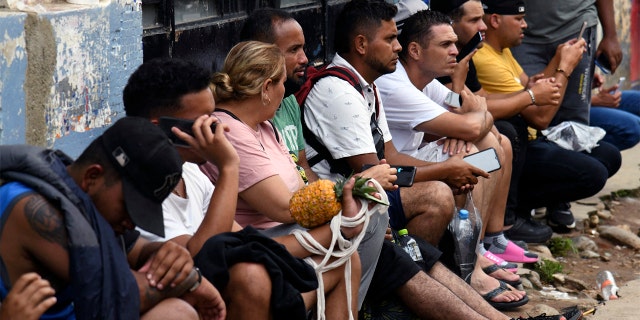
[[602, 61], [470, 46], [405, 174], [166, 123], [487, 160]]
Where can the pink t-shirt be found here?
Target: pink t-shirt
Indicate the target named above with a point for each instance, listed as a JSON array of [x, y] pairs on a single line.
[[261, 157]]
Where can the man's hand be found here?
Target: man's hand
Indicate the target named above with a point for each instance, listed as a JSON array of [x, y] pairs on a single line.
[[459, 76], [471, 102], [546, 91], [170, 265], [29, 298], [610, 46], [207, 300], [213, 146], [607, 97], [351, 207], [383, 173], [455, 146], [460, 175], [570, 54]]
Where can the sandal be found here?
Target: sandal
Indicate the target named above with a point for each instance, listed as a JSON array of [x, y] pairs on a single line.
[[514, 253], [511, 267], [503, 305], [493, 268]]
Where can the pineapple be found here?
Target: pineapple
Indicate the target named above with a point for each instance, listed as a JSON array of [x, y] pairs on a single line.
[[318, 202]]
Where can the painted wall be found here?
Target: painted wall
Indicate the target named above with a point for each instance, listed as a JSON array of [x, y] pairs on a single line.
[[67, 88]]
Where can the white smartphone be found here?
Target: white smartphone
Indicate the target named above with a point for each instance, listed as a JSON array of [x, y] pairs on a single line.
[[620, 83], [487, 160], [453, 100], [584, 27]]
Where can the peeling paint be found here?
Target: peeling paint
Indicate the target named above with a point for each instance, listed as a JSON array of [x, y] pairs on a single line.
[[12, 48]]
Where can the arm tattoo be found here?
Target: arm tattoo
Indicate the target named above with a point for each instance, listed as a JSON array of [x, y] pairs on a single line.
[[45, 220]]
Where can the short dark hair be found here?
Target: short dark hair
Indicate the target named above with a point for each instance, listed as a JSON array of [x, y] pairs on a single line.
[[259, 25], [157, 86], [360, 17], [96, 154], [418, 28]]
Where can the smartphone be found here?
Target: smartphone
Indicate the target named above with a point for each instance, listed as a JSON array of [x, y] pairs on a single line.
[[453, 100], [582, 29], [405, 174], [470, 46], [487, 160], [602, 61], [166, 123]]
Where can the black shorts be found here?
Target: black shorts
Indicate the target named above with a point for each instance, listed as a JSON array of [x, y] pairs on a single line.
[[395, 267]]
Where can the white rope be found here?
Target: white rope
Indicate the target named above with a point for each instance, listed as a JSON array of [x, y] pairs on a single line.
[[345, 248]]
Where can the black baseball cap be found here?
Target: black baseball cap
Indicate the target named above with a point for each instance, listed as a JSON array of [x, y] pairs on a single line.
[[445, 6], [149, 165], [407, 8], [506, 7]]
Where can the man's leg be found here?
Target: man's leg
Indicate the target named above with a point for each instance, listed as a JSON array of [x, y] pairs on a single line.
[[170, 309], [428, 207], [623, 128], [248, 293]]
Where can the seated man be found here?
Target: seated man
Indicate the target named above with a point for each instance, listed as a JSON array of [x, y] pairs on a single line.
[[425, 127], [59, 217], [545, 182]]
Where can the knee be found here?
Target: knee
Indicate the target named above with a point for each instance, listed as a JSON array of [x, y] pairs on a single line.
[[171, 308], [249, 282], [438, 196]]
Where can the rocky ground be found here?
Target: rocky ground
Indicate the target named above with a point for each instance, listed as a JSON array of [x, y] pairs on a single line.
[[606, 240]]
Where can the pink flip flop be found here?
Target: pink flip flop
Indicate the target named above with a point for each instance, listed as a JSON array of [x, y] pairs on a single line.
[[513, 253], [511, 267]]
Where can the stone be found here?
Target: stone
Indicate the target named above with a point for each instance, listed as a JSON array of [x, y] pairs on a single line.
[[588, 254], [543, 252], [526, 283], [534, 277], [584, 243], [620, 235], [574, 283], [605, 214], [543, 308], [594, 221]]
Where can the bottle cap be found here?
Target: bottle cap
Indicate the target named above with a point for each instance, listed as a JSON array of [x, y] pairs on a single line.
[[403, 232], [463, 214]]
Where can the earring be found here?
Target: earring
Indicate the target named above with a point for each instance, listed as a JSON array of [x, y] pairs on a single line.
[[265, 99]]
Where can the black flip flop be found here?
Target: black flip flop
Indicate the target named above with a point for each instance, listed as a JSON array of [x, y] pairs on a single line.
[[494, 267], [503, 305]]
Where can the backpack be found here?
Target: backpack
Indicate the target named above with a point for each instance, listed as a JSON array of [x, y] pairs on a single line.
[[339, 166]]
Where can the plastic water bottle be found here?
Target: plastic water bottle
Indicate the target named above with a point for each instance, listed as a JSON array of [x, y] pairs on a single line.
[[410, 246], [466, 241], [607, 285]]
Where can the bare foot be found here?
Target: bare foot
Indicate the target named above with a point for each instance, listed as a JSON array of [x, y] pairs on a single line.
[[484, 284], [500, 273]]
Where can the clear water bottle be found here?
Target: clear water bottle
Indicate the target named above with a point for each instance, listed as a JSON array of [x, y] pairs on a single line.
[[410, 246], [466, 236], [607, 285]]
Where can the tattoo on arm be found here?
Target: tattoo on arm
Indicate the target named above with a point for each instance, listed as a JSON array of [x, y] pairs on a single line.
[[45, 220]]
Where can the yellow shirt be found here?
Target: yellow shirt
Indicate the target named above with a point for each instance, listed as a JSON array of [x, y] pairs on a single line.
[[498, 72]]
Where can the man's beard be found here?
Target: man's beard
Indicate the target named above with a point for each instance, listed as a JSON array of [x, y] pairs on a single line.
[[291, 86], [379, 66]]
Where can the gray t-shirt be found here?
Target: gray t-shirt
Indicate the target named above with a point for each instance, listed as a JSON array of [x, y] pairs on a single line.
[[551, 20]]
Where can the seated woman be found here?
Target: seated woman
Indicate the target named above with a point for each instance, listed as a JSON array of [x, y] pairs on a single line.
[[248, 92]]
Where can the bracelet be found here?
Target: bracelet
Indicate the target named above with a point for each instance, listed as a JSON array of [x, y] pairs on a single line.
[[533, 99], [563, 72], [198, 282]]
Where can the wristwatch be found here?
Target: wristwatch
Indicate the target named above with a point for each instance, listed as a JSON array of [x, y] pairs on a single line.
[[198, 282]]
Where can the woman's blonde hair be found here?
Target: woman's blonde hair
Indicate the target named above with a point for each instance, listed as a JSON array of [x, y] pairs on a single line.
[[247, 66]]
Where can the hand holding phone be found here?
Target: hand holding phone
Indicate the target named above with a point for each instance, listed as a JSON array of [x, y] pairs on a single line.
[[166, 123], [405, 174], [620, 83], [582, 29], [470, 46], [602, 61], [486, 160]]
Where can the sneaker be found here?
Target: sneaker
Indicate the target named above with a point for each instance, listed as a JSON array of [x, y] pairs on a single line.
[[560, 218], [528, 230]]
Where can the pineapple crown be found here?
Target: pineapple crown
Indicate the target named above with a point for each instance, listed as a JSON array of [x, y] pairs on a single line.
[[360, 190]]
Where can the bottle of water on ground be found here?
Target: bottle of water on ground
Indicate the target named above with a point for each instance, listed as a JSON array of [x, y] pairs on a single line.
[[607, 285], [410, 246], [465, 227]]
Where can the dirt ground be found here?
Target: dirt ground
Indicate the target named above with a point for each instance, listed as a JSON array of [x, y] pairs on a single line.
[[624, 262]]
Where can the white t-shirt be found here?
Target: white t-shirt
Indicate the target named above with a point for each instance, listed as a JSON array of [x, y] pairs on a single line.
[[340, 117], [184, 216], [406, 107]]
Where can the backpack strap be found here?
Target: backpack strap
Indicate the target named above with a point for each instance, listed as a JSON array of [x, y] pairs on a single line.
[[339, 166]]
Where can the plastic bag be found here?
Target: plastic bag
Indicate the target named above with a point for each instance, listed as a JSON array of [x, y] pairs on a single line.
[[575, 136]]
